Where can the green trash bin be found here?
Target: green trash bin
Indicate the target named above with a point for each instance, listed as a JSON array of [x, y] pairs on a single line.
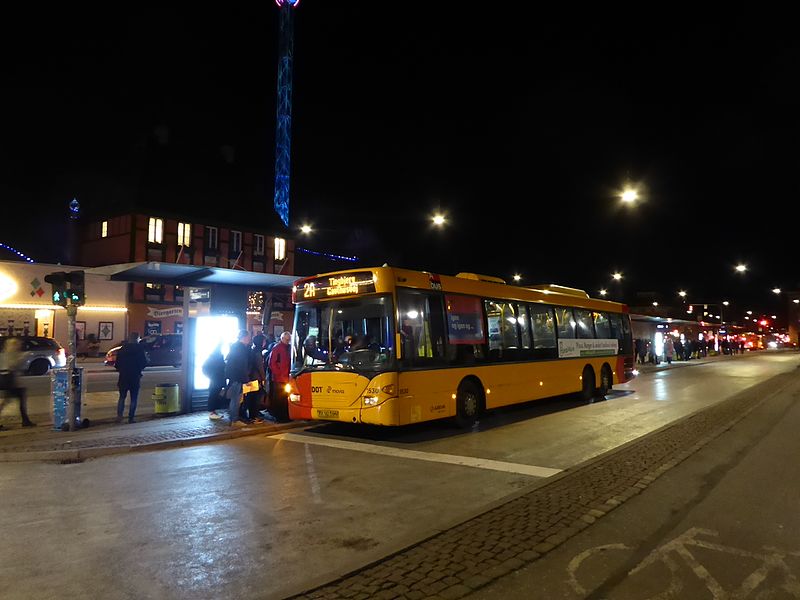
[[166, 399]]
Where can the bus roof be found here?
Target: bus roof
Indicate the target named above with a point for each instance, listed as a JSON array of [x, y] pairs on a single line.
[[387, 278]]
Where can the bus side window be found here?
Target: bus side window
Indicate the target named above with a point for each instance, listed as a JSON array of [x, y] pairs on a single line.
[[501, 318], [524, 324], [602, 326], [421, 329], [585, 325], [544, 331], [615, 322], [565, 323]]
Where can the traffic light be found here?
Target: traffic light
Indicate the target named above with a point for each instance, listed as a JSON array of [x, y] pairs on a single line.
[[76, 292], [59, 282]]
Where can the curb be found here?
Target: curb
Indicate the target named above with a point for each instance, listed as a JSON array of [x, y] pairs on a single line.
[[81, 454]]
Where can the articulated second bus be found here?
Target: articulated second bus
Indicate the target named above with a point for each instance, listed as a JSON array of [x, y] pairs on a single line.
[[392, 346]]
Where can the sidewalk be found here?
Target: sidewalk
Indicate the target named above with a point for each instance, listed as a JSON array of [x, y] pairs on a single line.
[[663, 366], [150, 433]]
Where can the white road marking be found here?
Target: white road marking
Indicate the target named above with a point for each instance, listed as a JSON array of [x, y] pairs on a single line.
[[464, 461]]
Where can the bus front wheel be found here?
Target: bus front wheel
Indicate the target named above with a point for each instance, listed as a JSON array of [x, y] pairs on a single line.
[[587, 384], [468, 402]]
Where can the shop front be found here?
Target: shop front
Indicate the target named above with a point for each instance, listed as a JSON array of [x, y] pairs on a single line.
[[26, 308]]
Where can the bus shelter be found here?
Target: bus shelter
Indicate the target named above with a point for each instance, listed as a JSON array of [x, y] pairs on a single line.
[[215, 304]]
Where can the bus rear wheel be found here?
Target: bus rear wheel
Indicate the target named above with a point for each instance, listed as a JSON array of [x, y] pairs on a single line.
[[587, 384], [606, 381], [468, 403]]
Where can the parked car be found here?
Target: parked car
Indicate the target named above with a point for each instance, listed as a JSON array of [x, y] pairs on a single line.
[[162, 349], [39, 354]]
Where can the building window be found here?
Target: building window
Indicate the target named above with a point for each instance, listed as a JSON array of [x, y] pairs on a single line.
[[211, 238], [155, 230], [184, 234], [236, 242], [280, 249], [259, 249], [104, 229]]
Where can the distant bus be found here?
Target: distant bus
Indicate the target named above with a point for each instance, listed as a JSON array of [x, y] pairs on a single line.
[[390, 346]]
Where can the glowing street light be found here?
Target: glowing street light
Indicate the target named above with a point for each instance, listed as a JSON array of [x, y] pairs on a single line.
[[517, 277], [616, 276], [655, 303], [682, 294], [741, 268], [749, 312], [604, 292], [776, 290], [306, 229], [438, 220], [796, 301], [725, 303], [774, 316], [629, 196]]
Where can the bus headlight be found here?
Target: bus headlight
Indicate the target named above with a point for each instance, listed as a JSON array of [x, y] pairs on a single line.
[[294, 398], [288, 388], [370, 400]]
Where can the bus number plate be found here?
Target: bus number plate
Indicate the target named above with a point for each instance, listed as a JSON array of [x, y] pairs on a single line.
[[324, 413]]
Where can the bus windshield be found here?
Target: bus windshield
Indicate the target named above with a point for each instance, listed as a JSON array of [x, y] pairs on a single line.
[[353, 334]]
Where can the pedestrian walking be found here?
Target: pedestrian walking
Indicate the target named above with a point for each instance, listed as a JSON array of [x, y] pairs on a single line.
[[669, 349], [10, 385], [214, 369], [252, 399], [237, 369], [131, 361], [279, 376]]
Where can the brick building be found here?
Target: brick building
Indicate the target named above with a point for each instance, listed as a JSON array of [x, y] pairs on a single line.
[[153, 237]]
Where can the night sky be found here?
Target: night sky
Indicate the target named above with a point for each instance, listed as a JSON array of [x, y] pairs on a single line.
[[521, 127]]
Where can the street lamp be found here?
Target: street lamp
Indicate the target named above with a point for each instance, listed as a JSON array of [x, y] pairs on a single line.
[[741, 268], [776, 290], [517, 277], [682, 294], [725, 303], [617, 276], [306, 229], [629, 196], [604, 292], [438, 220]]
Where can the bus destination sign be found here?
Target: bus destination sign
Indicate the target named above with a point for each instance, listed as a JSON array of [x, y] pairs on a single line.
[[346, 284]]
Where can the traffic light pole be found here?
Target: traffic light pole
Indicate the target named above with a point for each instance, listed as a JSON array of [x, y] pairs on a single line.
[[72, 311]]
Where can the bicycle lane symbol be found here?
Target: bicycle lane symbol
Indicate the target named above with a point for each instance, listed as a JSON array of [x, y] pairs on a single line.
[[679, 551]]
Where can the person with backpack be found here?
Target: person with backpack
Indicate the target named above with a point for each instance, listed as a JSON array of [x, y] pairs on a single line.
[[237, 370]]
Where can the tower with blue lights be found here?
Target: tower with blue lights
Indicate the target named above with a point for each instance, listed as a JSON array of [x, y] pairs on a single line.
[[283, 133]]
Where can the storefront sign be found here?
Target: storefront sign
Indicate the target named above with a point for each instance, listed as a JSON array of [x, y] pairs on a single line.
[[161, 313], [335, 285], [578, 348], [464, 320]]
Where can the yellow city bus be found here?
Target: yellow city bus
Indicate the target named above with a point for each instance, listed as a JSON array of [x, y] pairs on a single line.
[[392, 346]]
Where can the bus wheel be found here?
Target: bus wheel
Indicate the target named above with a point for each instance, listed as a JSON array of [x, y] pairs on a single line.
[[587, 389], [468, 402], [606, 381]]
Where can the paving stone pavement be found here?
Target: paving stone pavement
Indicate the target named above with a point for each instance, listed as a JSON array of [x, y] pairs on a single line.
[[43, 443], [467, 557]]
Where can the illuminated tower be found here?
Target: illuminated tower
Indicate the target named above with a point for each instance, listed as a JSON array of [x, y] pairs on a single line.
[[283, 131]]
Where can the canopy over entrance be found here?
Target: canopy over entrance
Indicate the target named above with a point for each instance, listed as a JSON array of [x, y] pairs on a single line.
[[194, 275]]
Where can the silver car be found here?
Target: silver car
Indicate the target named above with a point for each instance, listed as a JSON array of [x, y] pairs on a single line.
[[39, 354]]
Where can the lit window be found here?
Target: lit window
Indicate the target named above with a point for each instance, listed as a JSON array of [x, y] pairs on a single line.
[[211, 237], [104, 229], [236, 241], [259, 250], [184, 234], [155, 230], [280, 249]]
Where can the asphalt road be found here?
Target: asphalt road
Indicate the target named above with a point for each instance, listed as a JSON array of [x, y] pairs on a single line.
[[265, 516]]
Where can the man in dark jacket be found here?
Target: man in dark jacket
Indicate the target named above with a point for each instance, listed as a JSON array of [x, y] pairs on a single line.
[[131, 361], [237, 370]]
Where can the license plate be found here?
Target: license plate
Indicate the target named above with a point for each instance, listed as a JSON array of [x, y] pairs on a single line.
[[325, 413]]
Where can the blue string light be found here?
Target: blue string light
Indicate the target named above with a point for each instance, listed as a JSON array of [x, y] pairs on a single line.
[[327, 255], [15, 251]]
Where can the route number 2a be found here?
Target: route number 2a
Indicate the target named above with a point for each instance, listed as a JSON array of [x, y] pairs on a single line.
[[310, 290]]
